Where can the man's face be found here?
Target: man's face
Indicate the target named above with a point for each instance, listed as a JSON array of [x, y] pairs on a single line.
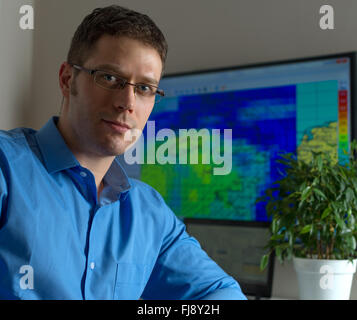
[[94, 112]]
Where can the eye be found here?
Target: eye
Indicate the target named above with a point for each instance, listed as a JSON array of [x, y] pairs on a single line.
[[109, 78], [109, 81], [145, 89]]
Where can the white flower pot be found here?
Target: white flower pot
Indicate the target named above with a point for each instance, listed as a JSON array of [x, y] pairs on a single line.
[[320, 279]]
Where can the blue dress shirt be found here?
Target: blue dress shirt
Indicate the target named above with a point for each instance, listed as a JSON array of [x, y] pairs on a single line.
[[58, 241]]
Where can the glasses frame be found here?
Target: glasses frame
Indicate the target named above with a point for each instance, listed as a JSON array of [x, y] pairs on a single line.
[[92, 72]]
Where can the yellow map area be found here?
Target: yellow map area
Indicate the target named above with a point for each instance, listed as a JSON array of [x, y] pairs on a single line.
[[324, 139]]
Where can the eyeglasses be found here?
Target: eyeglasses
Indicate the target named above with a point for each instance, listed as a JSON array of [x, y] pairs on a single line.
[[112, 81]]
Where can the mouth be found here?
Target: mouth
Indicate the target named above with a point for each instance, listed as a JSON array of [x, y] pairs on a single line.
[[117, 126]]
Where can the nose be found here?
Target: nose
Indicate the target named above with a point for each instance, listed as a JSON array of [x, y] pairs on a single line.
[[125, 98]]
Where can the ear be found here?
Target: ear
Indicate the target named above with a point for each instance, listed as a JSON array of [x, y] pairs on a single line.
[[65, 79]]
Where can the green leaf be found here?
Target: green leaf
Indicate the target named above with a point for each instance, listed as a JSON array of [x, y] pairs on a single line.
[[320, 193], [319, 163], [351, 240], [306, 193], [353, 244], [349, 194], [277, 237], [306, 229], [354, 182], [291, 238], [352, 221], [326, 212], [340, 221], [264, 262], [274, 226]]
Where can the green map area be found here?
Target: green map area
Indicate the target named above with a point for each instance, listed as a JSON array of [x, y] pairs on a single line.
[[194, 191]]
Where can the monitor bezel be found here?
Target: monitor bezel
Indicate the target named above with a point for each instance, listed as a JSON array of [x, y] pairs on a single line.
[[257, 290]]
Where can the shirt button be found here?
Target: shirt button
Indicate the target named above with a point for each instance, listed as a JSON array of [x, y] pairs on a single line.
[[83, 174], [92, 265]]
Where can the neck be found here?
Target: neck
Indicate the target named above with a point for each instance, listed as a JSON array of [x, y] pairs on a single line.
[[97, 164]]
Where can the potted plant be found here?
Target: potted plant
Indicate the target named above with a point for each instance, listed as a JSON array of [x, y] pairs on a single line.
[[313, 211]]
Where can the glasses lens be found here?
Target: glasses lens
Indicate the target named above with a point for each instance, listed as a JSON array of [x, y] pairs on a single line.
[[145, 90], [148, 92], [109, 81]]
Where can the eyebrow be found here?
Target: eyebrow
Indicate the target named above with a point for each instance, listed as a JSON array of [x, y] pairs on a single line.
[[114, 69]]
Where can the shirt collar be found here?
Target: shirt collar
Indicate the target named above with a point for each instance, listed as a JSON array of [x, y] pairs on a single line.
[[57, 157], [117, 179], [56, 154]]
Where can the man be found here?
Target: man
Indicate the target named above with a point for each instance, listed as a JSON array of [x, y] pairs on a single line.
[[72, 224]]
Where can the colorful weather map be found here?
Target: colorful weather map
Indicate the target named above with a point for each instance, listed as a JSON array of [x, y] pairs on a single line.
[[264, 123]]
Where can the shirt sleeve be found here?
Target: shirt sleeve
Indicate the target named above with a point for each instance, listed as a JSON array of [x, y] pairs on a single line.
[[3, 195], [184, 270]]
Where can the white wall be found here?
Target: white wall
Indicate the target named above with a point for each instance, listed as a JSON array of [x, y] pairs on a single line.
[[202, 34], [16, 53]]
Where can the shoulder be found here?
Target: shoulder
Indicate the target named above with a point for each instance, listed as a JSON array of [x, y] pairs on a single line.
[[154, 214], [150, 203], [15, 145], [12, 141], [143, 190], [15, 134]]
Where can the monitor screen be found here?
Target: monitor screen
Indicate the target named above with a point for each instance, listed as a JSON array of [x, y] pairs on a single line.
[[211, 144], [237, 247]]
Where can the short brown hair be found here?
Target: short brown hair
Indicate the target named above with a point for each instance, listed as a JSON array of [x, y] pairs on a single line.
[[115, 21]]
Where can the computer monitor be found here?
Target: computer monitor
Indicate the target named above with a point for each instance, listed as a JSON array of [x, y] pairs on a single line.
[[237, 247], [287, 106]]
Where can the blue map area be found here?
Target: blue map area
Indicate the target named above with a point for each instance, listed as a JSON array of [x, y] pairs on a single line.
[[263, 123]]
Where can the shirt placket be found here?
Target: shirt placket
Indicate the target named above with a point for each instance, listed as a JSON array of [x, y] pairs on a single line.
[[93, 261], [88, 182]]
